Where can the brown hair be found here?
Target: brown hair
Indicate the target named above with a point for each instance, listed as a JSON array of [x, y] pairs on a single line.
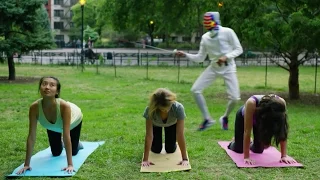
[[160, 98], [271, 119]]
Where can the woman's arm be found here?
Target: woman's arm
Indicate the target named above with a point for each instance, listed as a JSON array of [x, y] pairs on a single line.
[[283, 148], [33, 113], [181, 140], [148, 140], [284, 158], [66, 117], [250, 108]]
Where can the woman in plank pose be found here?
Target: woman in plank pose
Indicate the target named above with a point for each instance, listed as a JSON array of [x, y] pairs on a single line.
[[266, 115], [58, 117], [164, 112]]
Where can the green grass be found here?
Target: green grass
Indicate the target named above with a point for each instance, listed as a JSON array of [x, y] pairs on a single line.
[[113, 107]]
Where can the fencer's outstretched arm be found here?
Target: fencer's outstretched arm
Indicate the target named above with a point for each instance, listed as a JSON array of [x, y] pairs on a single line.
[[200, 56]]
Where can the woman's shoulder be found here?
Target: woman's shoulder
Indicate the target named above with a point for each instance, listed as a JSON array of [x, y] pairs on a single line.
[[177, 105], [252, 101], [35, 104], [63, 103]]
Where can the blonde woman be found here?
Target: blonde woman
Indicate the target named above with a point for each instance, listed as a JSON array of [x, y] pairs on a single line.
[[164, 112]]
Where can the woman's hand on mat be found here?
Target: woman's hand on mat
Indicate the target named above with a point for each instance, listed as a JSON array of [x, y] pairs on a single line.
[[249, 161], [184, 163], [69, 169], [24, 169], [146, 163], [287, 160]]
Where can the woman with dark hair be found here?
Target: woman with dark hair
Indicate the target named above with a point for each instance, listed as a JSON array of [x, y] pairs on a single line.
[[58, 117], [266, 115], [164, 112]]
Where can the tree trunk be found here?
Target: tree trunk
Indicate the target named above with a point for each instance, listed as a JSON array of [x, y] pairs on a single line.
[[12, 70], [167, 39], [294, 92]]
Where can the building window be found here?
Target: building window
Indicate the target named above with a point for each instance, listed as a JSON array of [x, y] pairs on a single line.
[[58, 2], [58, 13], [71, 24], [73, 2], [59, 37], [58, 25]]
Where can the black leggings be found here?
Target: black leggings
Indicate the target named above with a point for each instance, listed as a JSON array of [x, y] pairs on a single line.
[[237, 144], [56, 143], [170, 139]]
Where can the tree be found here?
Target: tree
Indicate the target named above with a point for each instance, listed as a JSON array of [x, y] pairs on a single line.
[[288, 28], [137, 14], [182, 17], [24, 26], [89, 32]]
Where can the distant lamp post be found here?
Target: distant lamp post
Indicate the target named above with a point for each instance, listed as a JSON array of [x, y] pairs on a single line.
[[151, 23], [151, 29], [82, 2], [220, 4]]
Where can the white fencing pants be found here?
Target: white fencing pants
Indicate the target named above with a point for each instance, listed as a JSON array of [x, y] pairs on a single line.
[[207, 77]]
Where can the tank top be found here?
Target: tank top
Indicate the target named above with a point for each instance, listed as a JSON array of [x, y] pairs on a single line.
[[257, 99], [76, 117]]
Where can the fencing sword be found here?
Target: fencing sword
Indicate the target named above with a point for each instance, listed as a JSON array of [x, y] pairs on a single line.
[[152, 47], [165, 50]]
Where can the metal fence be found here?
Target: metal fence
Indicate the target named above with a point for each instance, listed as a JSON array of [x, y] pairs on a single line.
[[145, 58], [140, 59]]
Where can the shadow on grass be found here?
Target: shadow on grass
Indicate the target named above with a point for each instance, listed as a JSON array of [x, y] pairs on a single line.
[[19, 80]]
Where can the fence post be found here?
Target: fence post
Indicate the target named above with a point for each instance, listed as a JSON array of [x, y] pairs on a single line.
[[178, 67], [97, 64], [158, 60], [41, 56], [147, 65], [266, 72], [138, 57], [114, 64], [77, 57], [316, 72]]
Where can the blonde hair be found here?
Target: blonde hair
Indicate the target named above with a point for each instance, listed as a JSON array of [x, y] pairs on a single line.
[[161, 97]]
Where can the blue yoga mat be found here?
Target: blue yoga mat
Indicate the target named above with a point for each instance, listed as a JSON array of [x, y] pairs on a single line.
[[44, 164]]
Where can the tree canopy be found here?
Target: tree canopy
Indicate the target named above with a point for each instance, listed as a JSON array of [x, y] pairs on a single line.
[[288, 28], [24, 26]]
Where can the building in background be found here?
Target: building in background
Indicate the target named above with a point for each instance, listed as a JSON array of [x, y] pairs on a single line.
[[60, 16]]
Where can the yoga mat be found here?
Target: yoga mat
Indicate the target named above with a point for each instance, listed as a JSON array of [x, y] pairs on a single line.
[[269, 158], [44, 164], [164, 162]]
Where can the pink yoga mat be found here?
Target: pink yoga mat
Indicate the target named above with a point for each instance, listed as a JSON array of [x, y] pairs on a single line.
[[269, 158]]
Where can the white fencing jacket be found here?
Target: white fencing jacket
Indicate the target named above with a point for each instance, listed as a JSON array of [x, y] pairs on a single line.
[[226, 43]]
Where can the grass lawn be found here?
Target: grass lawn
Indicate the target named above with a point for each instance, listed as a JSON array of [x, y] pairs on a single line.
[[113, 107]]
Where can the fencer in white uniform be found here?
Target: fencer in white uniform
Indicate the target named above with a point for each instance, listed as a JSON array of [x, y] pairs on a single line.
[[221, 45]]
